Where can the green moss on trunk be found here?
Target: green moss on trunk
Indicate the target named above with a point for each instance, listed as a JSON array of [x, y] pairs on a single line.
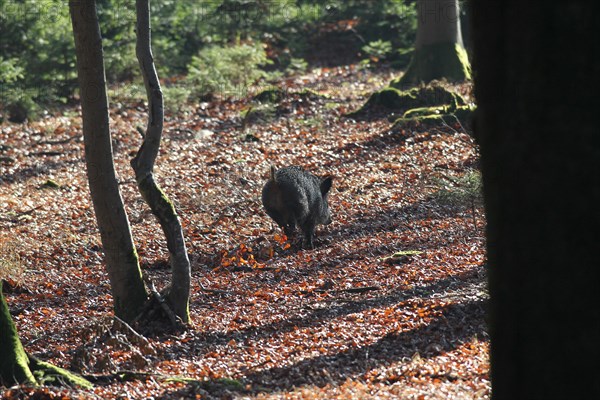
[[129, 300], [437, 61], [47, 373], [157, 199], [16, 367], [164, 210]]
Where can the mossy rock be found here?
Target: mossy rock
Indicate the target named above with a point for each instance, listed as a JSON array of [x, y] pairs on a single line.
[[310, 94], [428, 117], [421, 123], [273, 95], [397, 100], [50, 184], [425, 111]]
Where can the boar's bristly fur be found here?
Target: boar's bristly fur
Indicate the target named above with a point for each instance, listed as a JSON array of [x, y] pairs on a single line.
[[295, 197]]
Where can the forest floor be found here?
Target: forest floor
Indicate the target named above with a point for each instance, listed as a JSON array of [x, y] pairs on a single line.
[[346, 320]]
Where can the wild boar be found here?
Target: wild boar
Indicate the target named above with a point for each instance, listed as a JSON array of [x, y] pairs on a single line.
[[295, 197]]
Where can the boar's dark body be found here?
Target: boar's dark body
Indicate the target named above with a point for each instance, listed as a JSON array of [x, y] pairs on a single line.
[[294, 197]]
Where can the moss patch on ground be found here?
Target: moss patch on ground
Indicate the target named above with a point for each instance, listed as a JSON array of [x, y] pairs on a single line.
[[272, 95], [397, 101], [428, 117]]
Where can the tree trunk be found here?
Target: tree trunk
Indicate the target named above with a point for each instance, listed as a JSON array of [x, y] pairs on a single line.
[[129, 293], [439, 51], [16, 367], [143, 163], [536, 87]]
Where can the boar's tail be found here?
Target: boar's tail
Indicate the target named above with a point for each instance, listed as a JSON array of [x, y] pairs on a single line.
[[273, 170]]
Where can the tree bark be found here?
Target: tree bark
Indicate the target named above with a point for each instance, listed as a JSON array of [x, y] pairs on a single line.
[[16, 367], [143, 164], [536, 83], [439, 51], [129, 293]]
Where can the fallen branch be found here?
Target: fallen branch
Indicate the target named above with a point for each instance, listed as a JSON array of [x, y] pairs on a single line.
[[49, 153], [124, 375], [347, 290], [62, 141], [19, 214], [217, 291], [119, 323], [128, 375]]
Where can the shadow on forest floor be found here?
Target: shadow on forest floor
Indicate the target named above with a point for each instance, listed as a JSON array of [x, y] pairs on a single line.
[[457, 324]]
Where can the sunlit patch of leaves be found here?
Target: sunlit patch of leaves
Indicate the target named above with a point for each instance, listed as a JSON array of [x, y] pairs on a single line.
[[282, 239], [11, 268], [245, 257], [242, 257]]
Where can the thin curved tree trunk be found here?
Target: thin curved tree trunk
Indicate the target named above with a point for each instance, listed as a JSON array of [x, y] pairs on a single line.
[[439, 50], [143, 164], [129, 293]]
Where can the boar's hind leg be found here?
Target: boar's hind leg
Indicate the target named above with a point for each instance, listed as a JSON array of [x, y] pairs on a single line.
[[309, 232]]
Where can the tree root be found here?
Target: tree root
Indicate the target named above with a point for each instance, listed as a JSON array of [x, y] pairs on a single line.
[[46, 373]]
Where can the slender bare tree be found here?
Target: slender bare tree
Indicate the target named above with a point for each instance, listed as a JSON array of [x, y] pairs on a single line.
[[143, 164], [127, 286]]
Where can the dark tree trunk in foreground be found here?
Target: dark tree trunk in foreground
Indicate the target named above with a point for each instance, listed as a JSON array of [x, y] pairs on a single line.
[[179, 292], [536, 82], [129, 293], [17, 367], [439, 50]]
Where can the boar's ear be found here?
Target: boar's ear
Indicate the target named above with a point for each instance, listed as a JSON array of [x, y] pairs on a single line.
[[325, 185]]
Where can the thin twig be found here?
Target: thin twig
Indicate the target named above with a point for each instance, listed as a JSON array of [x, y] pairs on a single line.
[[161, 300], [62, 141], [130, 329]]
